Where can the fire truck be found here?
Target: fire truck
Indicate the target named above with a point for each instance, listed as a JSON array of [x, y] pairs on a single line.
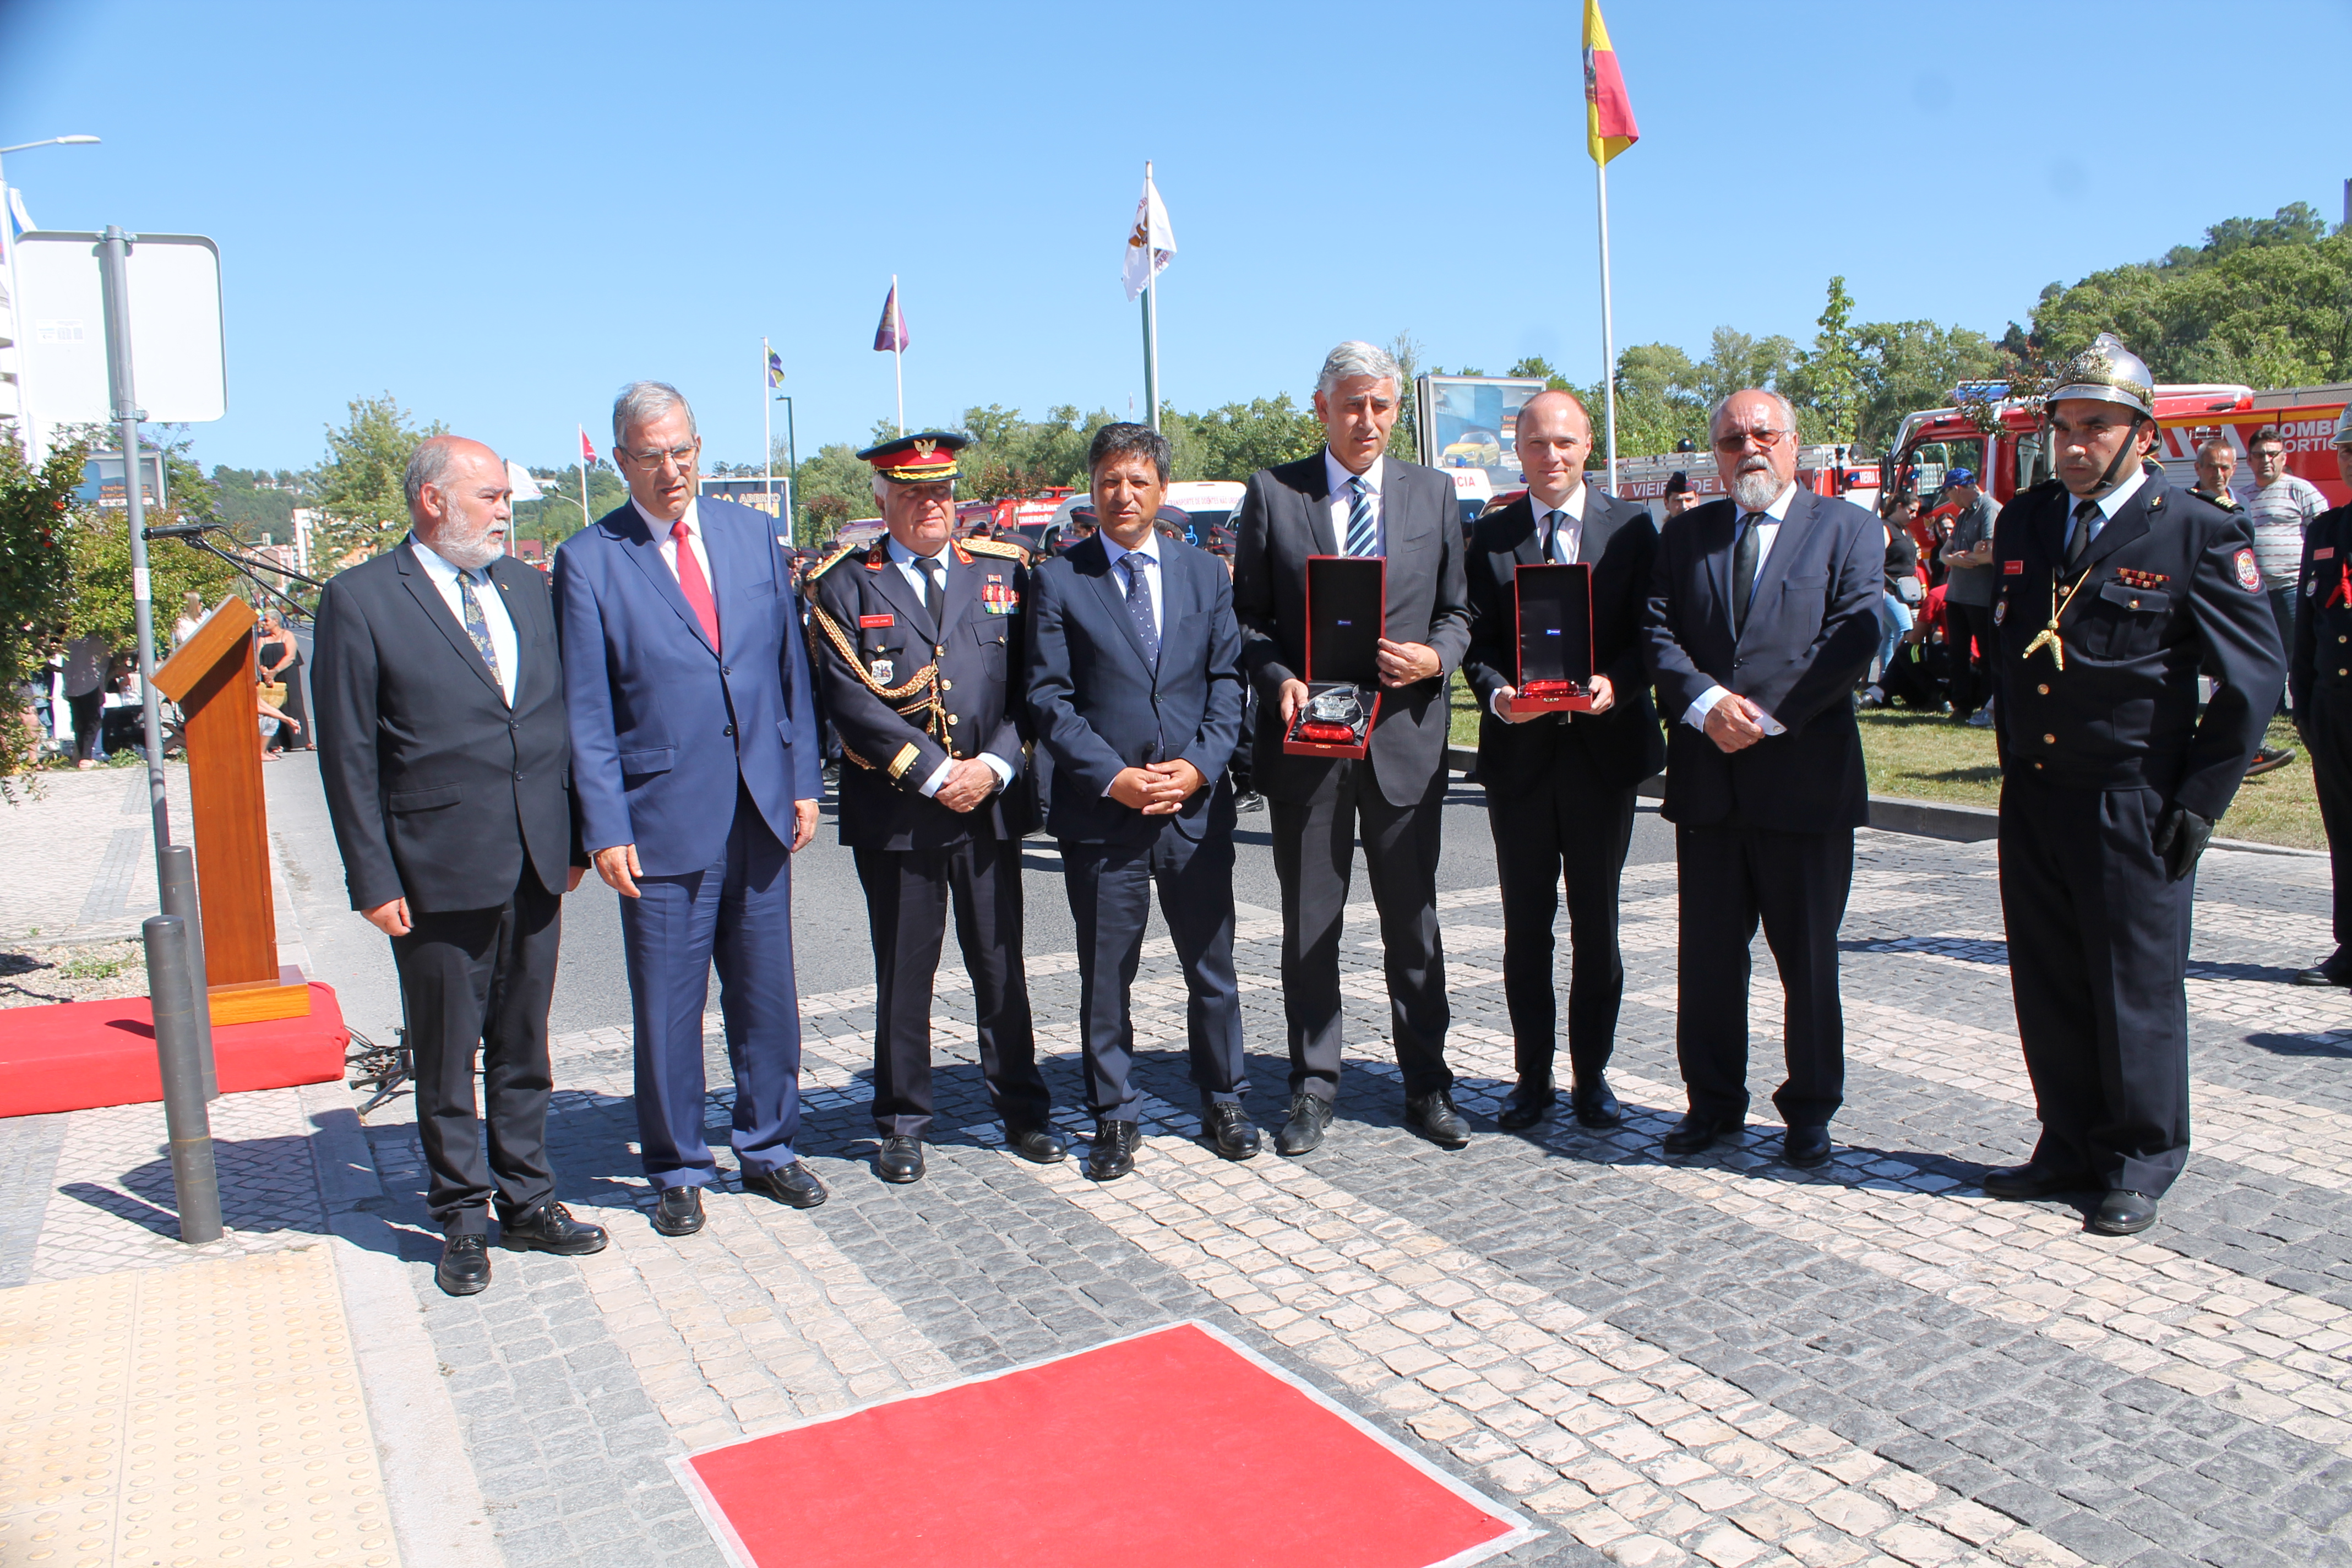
[[1825, 469]]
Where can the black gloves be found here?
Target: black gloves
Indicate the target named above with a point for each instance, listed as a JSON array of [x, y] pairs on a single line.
[[2181, 837]]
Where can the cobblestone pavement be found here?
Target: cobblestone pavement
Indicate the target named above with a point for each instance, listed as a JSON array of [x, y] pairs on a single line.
[[1720, 1360]]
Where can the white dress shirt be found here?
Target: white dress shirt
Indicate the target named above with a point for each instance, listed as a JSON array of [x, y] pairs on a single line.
[[1766, 533], [1343, 500], [919, 578], [494, 610], [1561, 527], [668, 546]]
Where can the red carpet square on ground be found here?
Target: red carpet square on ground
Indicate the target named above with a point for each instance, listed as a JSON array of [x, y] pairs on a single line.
[[1173, 1448], [78, 1056]]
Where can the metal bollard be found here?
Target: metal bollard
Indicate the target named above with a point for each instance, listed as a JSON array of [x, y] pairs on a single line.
[[178, 868], [171, 996]]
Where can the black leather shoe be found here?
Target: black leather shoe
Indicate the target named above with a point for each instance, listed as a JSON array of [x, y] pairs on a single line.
[[1805, 1147], [678, 1211], [465, 1267], [550, 1227], [1530, 1103], [2335, 969], [2024, 1184], [901, 1159], [1035, 1145], [1694, 1132], [1303, 1133], [1113, 1155], [1225, 1124], [2123, 1213], [1433, 1116], [1594, 1105], [795, 1184]]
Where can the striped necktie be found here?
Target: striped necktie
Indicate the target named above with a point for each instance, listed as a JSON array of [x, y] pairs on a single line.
[[1363, 534]]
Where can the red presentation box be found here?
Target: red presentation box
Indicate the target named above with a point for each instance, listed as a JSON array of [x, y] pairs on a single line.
[[1555, 624], [1347, 614]]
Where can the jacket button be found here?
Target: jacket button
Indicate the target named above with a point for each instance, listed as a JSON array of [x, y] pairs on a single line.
[[724, 671], [946, 685], [2049, 740], [939, 652], [519, 778], [2037, 765], [2339, 637], [953, 717], [731, 730], [2043, 690]]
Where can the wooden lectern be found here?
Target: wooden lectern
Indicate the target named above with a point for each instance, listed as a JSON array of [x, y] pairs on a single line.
[[212, 679]]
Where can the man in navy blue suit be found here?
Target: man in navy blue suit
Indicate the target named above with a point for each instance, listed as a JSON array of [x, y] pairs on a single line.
[[1135, 689], [694, 757], [1762, 618]]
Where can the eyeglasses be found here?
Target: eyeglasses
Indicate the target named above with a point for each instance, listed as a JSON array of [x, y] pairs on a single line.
[[1738, 440], [681, 457]]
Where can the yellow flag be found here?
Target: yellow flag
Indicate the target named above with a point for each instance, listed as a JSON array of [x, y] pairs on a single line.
[[1609, 126]]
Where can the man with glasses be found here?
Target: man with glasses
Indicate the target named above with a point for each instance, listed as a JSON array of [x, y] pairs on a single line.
[[694, 756], [2282, 508], [1763, 616], [920, 641]]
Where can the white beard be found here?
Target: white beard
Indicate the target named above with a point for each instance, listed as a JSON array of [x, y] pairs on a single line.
[[1755, 489]]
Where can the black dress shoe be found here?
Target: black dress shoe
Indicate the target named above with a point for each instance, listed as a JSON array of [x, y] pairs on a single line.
[[550, 1227], [2335, 969], [1433, 1116], [678, 1212], [1805, 1147], [900, 1160], [2123, 1213], [1303, 1133], [1694, 1132], [1594, 1105], [465, 1267], [2024, 1184], [1113, 1155], [1036, 1145], [1530, 1103], [794, 1184], [1225, 1124]]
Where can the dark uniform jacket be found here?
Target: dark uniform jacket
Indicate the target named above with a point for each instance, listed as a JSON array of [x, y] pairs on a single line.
[[1620, 747], [2323, 622], [2169, 588], [904, 695]]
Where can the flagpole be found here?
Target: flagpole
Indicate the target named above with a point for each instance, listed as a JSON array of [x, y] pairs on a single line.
[[1607, 328], [1150, 309], [583, 477], [899, 350], [767, 428]]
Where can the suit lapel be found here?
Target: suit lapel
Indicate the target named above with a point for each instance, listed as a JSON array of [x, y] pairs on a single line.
[[521, 598], [1317, 494], [1722, 532], [962, 590], [1114, 599], [1794, 528], [891, 582], [436, 610], [645, 550], [2121, 529]]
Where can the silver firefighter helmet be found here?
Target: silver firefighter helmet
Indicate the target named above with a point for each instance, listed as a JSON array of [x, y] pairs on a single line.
[[2107, 371]]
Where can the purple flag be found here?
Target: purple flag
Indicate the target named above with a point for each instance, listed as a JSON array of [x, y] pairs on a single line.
[[891, 335]]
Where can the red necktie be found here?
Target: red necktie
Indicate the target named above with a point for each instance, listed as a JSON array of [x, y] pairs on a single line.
[[691, 582]]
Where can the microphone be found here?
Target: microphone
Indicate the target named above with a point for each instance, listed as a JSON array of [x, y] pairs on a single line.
[[178, 531]]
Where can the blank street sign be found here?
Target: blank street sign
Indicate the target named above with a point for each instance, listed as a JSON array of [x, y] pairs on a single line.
[[178, 366]]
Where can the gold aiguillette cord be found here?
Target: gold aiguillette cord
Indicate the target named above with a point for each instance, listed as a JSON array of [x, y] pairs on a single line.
[[2049, 634]]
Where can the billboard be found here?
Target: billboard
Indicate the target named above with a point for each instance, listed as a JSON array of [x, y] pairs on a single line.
[[1465, 422]]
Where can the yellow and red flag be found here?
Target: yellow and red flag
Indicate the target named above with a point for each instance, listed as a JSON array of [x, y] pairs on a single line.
[[1609, 127]]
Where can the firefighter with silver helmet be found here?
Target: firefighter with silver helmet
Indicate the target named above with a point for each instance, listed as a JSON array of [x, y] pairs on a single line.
[[2113, 592], [2321, 669]]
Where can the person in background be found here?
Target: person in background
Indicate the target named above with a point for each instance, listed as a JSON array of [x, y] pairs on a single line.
[[2281, 509], [2323, 698], [1967, 596], [280, 658], [1678, 496], [1904, 589], [274, 720], [192, 615], [2217, 463], [88, 661]]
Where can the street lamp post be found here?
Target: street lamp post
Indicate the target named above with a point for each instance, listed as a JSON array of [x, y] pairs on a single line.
[[16, 299]]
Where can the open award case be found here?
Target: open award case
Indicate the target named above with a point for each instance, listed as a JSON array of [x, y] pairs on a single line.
[[1555, 617], [1346, 608]]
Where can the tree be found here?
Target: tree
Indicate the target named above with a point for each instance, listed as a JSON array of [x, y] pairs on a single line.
[[1404, 436], [36, 578], [360, 503], [835, 486], [1536, 365], [557, 516], [1237, 440], [1828, 378]]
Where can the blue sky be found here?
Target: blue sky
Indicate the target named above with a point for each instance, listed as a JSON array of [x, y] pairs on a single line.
[[500, 211]]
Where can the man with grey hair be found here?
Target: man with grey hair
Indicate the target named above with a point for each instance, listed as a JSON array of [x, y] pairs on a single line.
[[1763, 617], [445, 757], [1352, 499], [696, 759]]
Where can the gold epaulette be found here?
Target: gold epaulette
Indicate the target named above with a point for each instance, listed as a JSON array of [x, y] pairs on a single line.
[[830, 562], [1004, 548]]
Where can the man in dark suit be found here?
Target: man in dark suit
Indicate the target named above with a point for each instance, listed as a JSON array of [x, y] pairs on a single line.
[[1135, 685], [2117, 591], [1560, 787], [695, 749], [920, 641], [447, 767], [1351, 499], [1763, 616]]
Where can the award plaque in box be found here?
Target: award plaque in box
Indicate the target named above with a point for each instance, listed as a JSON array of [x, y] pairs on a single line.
[[1555, 619], [1346, 608]]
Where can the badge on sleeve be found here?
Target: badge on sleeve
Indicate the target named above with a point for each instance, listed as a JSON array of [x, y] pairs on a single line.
[[2249, 578], [1999, 611], [2013, 568]]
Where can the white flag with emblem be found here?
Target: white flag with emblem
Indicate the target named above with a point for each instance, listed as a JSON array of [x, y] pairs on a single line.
[[519, 481], [1151, 243]]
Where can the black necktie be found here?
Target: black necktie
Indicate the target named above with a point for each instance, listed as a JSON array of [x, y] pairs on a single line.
[[1552, 519], [935, 596], [2083, 512], [1743, 569]]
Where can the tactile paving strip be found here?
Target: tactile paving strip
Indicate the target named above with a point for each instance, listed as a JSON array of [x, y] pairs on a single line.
[[206, 1414]]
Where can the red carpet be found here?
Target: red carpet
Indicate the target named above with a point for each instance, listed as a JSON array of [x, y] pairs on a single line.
[[1172, 1449], [78, 1055]]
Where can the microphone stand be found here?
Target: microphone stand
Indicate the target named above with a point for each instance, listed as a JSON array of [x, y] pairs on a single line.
[[246, 566]]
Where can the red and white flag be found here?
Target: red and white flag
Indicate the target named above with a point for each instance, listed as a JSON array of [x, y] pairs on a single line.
[[587, 448]]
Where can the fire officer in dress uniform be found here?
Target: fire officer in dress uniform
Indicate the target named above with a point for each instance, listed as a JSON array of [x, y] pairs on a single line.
[[917, 640], [2114, 591], [2322, 685]]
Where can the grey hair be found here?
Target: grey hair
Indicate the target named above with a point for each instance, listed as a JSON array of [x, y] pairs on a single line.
[[1353, 358], [1124, 440], [428, 465], [2217, 444], [1714, 414], [642, 402]]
